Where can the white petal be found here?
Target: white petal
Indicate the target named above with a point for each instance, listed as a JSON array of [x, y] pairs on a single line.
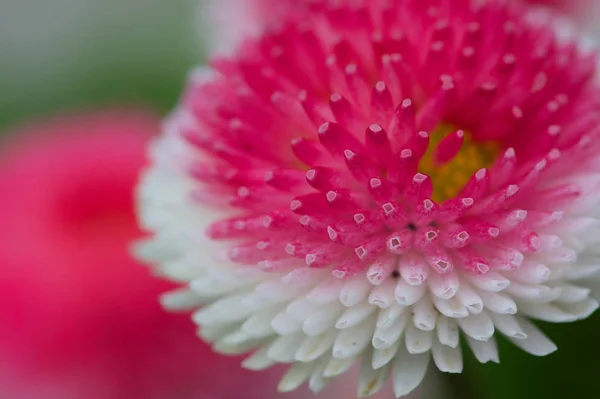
[[450, 307], [417, 341], [573, 293], [594, 286], [150, 252], [381, 357], [545, 311], [181, 299], [284, 324], [530, 273], [498, 302], [384, 338], [182, 270], [536, 342], [370, 380], [233, 350], [447, 359], [354, 315], [469, 298], [352, 341], [355, 291], [259, 324], [302, 277], [409, 371], [582, 272], [388, 316], [414, 272], [214, 333], [548, 241], [581, 226], [558, 271], [216, 285], [444, 285], [258, 360], [317, 381], [326, 292], [295, 376], [533, 293], [490, 281], [235, 338], [283, 349], [235, 343], [508, 325], [383, 296], [581, 310], [254, 302], [478, 326], [379, 272], [313, 347], [484, 351], [424, 315], [407, 294], [301, 309], [275, 291], [323, 319], [337, 367], [447, 331], [577, 244], [563, 254], [227, 310]]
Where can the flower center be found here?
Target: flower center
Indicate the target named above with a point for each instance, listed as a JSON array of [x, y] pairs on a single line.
[[452, 158]]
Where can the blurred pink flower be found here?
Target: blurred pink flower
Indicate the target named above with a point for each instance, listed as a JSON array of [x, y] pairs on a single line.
[[83, 318]]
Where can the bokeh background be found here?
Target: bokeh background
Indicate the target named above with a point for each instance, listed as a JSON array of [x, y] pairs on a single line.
[[69, 56], [61, 54]]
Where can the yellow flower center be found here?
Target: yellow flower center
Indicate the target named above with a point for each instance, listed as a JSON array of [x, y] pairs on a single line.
[[449, 178]]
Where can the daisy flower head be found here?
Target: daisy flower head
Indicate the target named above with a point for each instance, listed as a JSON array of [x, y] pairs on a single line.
[[373, 179]]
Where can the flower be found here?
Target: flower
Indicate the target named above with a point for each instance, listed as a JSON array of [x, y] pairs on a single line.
[[83, 318], [370, 180]]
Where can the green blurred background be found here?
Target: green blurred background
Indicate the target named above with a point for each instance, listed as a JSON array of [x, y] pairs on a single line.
[[64, 54], [59, 55]]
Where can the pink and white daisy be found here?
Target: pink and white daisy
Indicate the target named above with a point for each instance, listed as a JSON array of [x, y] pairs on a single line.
[[374, 178]]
